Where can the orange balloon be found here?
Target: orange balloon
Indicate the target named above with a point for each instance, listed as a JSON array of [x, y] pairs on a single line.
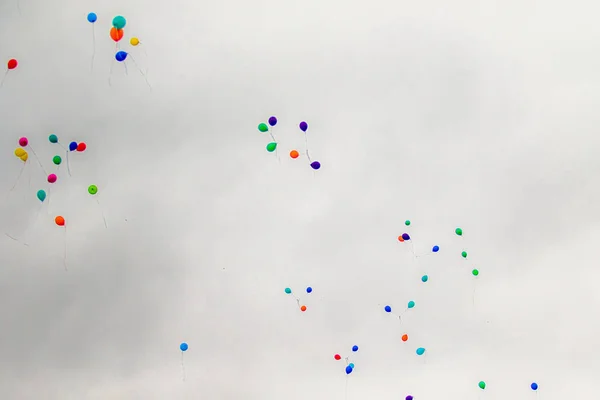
[[400, 238], [303, 308], [60, 221], [116, 34], [294, 154], [404, 337]]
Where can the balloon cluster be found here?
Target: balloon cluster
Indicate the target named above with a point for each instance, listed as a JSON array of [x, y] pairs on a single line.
[[294, 154], [349, 365], [301, 307], [117, 32]]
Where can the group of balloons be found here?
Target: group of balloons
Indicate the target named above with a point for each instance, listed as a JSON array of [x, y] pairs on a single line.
[[349, 365], [301, 307], [116, 33], [294, 154]]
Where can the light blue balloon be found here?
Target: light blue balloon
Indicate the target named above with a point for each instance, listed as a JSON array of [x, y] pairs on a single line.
[[92, 17], [420, 351], [351, 365], [411, 304], [119, 22], [183, 346]]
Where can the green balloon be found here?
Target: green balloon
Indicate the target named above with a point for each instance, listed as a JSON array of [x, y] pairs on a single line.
[[92, 189], [482, 385], [475, 272], [407, 223], [458, 231], [271, 147], [53, 139], [464, 254], [57, 160], [263, 127]]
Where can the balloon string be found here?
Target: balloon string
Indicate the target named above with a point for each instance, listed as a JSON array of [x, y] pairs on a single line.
[[18, 177], [3, 78], [65, 253], [19, 6], [306, 147], [346, 389], [98, 201], [94, 46], [38, 160], [141, 72], [68, 162], [275, 141], [182, 368], [110, 72], [37, 217]]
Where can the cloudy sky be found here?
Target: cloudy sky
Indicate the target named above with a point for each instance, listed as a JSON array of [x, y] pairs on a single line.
[[480, 115]]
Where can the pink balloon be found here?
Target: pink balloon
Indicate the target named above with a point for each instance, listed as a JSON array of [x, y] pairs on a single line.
[[52, 178], [23, 141]]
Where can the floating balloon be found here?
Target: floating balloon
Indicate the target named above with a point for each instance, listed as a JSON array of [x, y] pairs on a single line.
[[409, 397], [288, 290], [60, 221], [407, 222], [435, 249], [92, 189], [351, 365], [262, 127], [424, 278], [355, 348], [315, 165], [53, 139], [183, 346], [24, 157], [294, 154], [404, 337], [134, 41], [116, 34], [72, 146], [271, 147], [411, 304], [303, 308], [348, 370], [56, 160], [19, 152], [387, 309], [337, 357], [482, 385], [92, 17], [534, 386], [52, 178], [420, 351], [273, 121], [121, 56], [400, 238], [309, 290], [405, 236], [464, 254], [12, 64], [303, 126], [119, 22], [475, 272], [41, 195], [81, 146], [23, 142], [458, 231]]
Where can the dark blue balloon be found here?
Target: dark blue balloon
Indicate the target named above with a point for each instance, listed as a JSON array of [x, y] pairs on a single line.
[[315, 165], [435, 249], [534, 386], [308, 289], [73, 146], [121, 56], [92, 17], [405, 236], [303, 126], [355, 348], [273, 121], [387, 309], [348, 370]]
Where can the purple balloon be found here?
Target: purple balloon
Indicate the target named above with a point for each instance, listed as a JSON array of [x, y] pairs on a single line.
[[273, 121], [405, 236], [315, 165], [409, 397], [303, 126]]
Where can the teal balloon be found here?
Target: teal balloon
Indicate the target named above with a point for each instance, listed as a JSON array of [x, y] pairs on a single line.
[[424, 278], [351, 365], [411, 304], [53, 139], [420, 351], [288, 290], [119, 22], [41, 195]]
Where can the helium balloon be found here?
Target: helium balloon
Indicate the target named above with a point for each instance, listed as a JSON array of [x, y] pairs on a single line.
[[534, 386], [19, 152], [41, 195], [92, 189], [407, 222], [92, 17], [475, 272], [303, 126], [121, 56], [409, 397], [458, 231], [303, 308], [288, 290], [56, 160], [23, 141], [116, 34], [315, 165], [294, 154], [424, 278], [337, 357], [308, 289], [119, 22], [81, 146], [72, 146], [183, 346], [405, 236], [53, 139], [435, 249], [387, 309], [404, 337], [24, 157], [271, 147], [12, 63], [411, 304], [348, 370], [52, 178], [351, 365], [355, 348], [400, 238], [60, 221], [134, 41], [420, 351], [482, 385], [263, 127], [464, 254], [273, 121]]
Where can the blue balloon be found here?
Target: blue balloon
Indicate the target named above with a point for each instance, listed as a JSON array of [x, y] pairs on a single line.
[[73, 146], [411, 304], [273, 121], [405, 236], [315, 165], [183, 346], [355, 348], [387, 309], [534, 386], [420, 351], [348, 370], [308, 289], [92, 17], [121, 56], [435, 249], [351, 365], [424, 278]]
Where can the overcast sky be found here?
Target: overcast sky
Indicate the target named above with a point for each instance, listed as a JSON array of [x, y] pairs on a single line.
[[480, 115]]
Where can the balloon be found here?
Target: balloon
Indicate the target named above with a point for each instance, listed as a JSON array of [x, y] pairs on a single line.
[[534, 386], [56, 160], [464, 254], [308, 289], [458, 231], [424, 278], [12, 63], [52, 178], [351, 365], [116, 34], [23, 141], [409, 397], [73, 146], [19, 152], [288, 290], [482, 385], [404, 337], [81, 146], [41, 195], [121, 56], [119, 22], [400, 238], [387, 309], [24, 157], [134, 41], [435, 249], [294, 154], [60, 221], [348, 370], [273, 121], [411, 304], [303, 308], [405, 236], [475, 272], [271, 147], [355, 348], [303, 126], [420, 351], [407, 222], [183, 346], [337, 357], [92, 189], [315, 165], [263, 127], [53, 139], [92, 17]]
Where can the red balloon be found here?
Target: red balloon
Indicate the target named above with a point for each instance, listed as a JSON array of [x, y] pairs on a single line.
[[81, 146], [12, 63], [337, 357]]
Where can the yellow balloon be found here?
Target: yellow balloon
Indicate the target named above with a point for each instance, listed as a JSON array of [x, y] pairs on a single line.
[[24, 157], [19, 152], [134, 41]]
